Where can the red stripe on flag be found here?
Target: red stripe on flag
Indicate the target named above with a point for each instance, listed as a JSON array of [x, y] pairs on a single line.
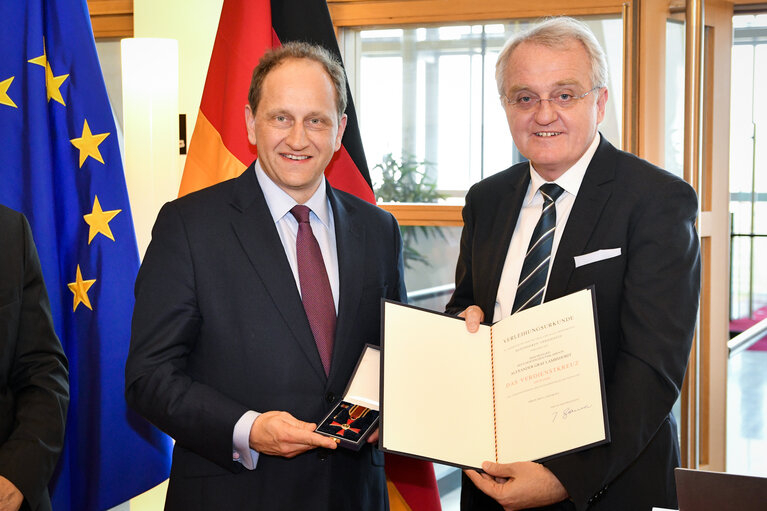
[[415, 481], [244, 35], [343, 174]]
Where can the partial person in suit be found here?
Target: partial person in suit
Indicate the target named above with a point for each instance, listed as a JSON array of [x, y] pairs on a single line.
[[224, 355], [34, 378], [620, 224]]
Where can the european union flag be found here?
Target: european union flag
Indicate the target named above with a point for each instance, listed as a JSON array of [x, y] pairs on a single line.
[[60, 164]]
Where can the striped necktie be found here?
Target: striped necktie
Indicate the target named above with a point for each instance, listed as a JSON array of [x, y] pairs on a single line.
[[535, 269], [315, 287]]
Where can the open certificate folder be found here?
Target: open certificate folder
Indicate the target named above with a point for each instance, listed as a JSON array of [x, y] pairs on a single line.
[[529, 387]]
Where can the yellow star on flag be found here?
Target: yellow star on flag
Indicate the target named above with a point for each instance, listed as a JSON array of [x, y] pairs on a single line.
[[80, 289], [98, 221], [88, 144], [52, 83], [5, 99]]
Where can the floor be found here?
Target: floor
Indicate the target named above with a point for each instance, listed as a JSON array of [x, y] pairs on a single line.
[[747, 413]]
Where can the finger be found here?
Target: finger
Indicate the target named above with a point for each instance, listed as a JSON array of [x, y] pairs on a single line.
[[498, 470], [300, 435], [373, 438], [306, 426], [479, 474], [304, 433], [281, 434], [324, 441], [483, 482], [291, 449], [473, 316]]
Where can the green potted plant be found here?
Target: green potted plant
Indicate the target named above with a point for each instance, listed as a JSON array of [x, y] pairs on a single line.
[[407, 180]]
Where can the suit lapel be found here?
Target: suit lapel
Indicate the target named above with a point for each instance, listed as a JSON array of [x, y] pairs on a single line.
[[587, 210], [350, 238], [509, 206], [261, 242]]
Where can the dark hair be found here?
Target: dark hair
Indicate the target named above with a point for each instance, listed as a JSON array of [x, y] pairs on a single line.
[[298, 50]]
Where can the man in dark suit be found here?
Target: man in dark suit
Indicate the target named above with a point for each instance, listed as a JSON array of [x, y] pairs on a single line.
[[224, 356], [34, 381], [620, 224]]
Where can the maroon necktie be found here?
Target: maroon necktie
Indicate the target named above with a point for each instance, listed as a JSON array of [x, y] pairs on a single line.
[[315, 286]]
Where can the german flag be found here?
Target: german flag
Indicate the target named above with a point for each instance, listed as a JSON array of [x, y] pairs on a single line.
[[219, 150]]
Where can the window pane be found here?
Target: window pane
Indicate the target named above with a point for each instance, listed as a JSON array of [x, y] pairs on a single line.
[[748, 158], [453, 148], [381, 121], [428, 94], [674, 146], [741, 119], [430, 256]]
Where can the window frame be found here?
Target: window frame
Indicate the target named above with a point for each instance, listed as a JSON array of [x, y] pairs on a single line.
[[357, 14]]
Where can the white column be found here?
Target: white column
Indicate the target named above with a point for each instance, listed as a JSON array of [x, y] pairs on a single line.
[[150, 118]]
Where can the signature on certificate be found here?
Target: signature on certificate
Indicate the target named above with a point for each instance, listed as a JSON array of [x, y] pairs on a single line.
[[564, 414]]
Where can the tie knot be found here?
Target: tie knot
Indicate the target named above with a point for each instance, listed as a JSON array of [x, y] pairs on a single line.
[[551, 192], [301, 213]]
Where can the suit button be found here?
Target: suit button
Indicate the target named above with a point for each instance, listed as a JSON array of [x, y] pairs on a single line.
[[330, 397], [322, 454]]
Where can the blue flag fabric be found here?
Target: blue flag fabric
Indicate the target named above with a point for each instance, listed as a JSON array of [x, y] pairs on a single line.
[[60, 164]]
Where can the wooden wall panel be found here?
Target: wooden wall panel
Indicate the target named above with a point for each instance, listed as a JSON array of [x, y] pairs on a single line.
[[111, 18], [424, 214], [713, 190], [346, 13]]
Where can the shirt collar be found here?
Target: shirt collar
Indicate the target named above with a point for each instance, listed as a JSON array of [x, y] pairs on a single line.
[[280, 203], [571, 179]]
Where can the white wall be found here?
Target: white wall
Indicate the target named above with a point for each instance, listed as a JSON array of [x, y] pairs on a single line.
[[193, 23]]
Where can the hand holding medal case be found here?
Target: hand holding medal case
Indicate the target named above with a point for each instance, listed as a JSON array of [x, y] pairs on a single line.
[[355, 417]]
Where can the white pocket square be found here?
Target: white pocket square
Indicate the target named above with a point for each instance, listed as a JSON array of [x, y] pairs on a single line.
[[599, 255]]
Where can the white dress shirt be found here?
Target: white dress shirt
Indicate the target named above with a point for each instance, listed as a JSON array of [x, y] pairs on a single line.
[[323, 227], [532, 207]]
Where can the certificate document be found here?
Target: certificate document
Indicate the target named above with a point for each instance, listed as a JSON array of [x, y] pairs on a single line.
[[529, 387]]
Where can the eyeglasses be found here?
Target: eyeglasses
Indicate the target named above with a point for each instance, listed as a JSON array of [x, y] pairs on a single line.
[[527, 101]]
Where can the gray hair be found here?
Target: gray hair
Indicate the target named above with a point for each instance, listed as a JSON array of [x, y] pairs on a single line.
[[555, 33]]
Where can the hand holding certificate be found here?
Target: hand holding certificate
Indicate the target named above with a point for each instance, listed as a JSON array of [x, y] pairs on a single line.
[[527, 388]]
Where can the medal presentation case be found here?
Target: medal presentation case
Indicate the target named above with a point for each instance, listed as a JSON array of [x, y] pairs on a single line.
[[355, 417]]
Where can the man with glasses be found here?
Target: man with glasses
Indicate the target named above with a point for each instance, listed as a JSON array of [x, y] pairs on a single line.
[[582, 213]]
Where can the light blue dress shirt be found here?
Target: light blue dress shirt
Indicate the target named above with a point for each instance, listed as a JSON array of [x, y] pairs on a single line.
[[323, 227]]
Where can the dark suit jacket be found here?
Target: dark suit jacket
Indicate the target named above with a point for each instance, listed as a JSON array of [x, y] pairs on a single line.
[[34, 384], [647, 301], [219, 328]]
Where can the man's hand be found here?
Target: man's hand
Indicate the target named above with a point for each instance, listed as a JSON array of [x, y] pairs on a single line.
[[373, 438], [10, 496], [519, 485], [473, 316], [281, 434]]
